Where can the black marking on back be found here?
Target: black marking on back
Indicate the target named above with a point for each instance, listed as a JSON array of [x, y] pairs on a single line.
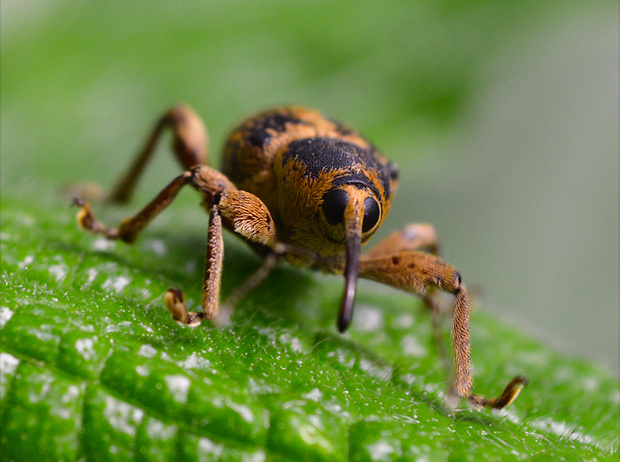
[[274, 122], [323, 154]]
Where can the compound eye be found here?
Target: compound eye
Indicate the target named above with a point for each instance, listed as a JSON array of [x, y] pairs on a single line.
[[371, 214], [334, 203]]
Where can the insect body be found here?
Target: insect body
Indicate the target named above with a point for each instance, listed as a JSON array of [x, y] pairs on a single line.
[[299, 186], [327, 188]]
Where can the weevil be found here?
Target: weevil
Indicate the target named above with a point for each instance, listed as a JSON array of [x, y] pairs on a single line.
[[301, 187]]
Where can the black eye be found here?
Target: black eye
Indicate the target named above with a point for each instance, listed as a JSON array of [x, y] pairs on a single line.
[[334, 203], [371, 214]]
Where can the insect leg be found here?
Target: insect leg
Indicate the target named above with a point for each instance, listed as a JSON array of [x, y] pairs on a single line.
[[214, 260], [206, 180], [418, 236], [189, 145], [129, 228], [242, 213], [416, 272]]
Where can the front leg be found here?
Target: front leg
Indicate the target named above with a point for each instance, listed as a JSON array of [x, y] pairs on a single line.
[[417, 272], [239, 211], [415, 236], [246, 215]]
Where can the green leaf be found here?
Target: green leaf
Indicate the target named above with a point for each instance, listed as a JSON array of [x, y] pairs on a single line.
[[93, 365]]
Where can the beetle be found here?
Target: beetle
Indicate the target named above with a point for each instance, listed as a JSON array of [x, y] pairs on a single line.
[[302, 187]]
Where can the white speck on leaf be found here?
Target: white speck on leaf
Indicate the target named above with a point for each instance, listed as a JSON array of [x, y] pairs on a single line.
[[73, 391], [157, 429], [313, 395], [208, 446], [178, 386], [147, 351], [8, 366], [373, 369], [368, 318], [118, 283], [157, 246], [102, 244], [194, 361], [561, 429], [405, 321], [118, 327], [268, 332], [92, 274], [142, 370], [58, 271], [84, 347], [410, 346], [43, 335], [288, 339], [243, 411], [381, 450], [8, 362], [5, 315], [24, 264], [122, 416]]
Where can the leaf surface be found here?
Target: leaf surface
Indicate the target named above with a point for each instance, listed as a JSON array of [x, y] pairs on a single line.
[[93, 365]]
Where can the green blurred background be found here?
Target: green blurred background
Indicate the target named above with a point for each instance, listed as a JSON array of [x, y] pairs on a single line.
[[502, 115]]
